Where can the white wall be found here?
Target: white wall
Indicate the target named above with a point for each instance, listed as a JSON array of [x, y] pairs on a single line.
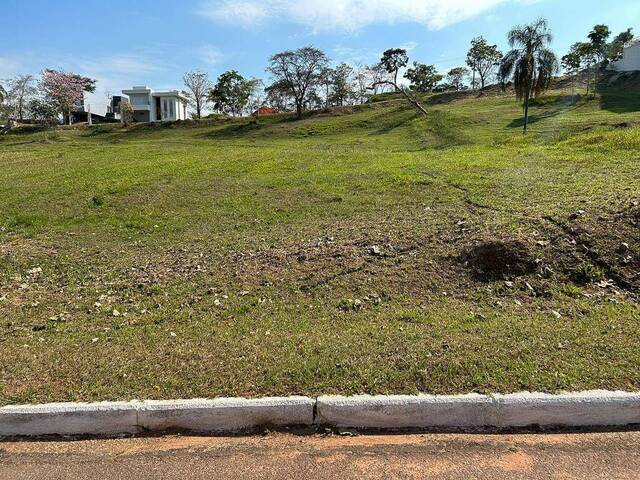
[[630, 61]]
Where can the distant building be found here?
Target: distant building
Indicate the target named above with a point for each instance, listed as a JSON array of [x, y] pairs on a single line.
[[113, 109], [630, 61], [264, 110], [150, 106]]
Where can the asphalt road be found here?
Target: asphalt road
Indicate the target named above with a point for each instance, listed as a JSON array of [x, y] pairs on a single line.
[[288, 456]]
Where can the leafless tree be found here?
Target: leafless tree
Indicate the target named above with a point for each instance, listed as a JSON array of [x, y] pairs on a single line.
[[298, 71], [198, 86]]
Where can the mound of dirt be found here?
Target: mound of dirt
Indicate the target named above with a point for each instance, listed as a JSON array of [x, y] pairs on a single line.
[[497, 259]]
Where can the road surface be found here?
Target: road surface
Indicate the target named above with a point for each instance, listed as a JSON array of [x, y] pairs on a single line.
[[289, 456]]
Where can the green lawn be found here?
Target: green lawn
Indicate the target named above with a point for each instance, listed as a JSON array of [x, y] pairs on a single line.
[[363, 250]]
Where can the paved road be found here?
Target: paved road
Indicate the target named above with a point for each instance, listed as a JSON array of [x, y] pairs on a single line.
[[278, 455]]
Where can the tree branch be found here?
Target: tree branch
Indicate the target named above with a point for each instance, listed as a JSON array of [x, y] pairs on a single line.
[[413, 101]]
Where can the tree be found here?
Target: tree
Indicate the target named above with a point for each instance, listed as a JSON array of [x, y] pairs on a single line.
[[423, 77], [279, 97], [616, 47], [457, 77], [42, 111], [362, 81], [598, 38], [299, 72], [530, 62], [231, 93], [393, 60], [20, 89], [572, 62], [126, 112], [65, 90], [588, 56], [342, 84], [482, 59], [198, 86], [379, 77]]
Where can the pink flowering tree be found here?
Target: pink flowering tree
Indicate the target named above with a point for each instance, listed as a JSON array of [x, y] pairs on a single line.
[[64, 90]]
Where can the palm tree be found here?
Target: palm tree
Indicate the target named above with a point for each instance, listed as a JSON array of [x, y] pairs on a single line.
[[530, 62]]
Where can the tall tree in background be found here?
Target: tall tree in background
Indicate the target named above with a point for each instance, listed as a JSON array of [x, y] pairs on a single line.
[[279, 97], [299, 71], [342, 84], [572, 62], [616, 47], [198, 86], [65, 90], [232, 92], [423, 77], [482, 59], [588, 57], [598, 38], [457, 77], [393, 60], [20, 90], [530, 62]]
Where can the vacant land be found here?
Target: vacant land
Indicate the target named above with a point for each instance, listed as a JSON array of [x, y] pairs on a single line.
[[361, 250]]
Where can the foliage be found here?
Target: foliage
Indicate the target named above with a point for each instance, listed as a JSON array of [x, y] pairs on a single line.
[[393, 60], [20, 90], [598, 39], [298, 71], [482, 59], [457, 77], [423, 77], [126, 112], [616, 47], [232, 92], [42, 111], [342, 86], [65, 90], [198, 86], [530, 62]]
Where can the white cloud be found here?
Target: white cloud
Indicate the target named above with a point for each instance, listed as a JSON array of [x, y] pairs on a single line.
[[210, 54], [347, 15], [246, 13]]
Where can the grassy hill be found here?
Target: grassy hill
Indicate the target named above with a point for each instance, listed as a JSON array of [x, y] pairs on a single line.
[[363, 249]]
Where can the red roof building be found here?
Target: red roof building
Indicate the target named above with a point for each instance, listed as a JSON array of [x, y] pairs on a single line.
[[264, 111]]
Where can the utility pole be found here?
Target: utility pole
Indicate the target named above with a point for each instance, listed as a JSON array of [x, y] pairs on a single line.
[[89, 114]]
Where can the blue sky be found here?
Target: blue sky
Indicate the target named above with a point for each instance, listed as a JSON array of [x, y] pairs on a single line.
[[153, 42]]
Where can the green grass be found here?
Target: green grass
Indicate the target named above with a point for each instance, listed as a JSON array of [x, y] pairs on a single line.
[[233, 258]]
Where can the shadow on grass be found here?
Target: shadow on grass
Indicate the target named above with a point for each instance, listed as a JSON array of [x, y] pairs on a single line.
[[620, 92]]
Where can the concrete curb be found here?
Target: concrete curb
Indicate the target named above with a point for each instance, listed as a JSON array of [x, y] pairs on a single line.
[[394, 412], [592, 408]]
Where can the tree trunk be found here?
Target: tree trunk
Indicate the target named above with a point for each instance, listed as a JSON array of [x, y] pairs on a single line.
[[526, 110], [299, 109], [588, 79]]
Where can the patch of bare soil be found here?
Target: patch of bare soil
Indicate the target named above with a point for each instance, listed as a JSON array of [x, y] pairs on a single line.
[[499, 259]]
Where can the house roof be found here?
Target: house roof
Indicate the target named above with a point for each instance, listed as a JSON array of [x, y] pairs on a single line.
[[161, 93]]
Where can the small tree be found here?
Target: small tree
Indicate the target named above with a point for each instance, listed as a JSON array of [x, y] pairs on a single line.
[[482, 59], [231, 93], [423, 77], [126, 113], [298, 71], [65, 90], [572, 62], [20, 90], [198, 86], [457, 77], [393, 60], [530, 62], [342, 84], [42, 111]]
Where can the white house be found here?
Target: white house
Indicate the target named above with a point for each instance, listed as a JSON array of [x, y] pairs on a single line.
[[630, 61], [150, 106]]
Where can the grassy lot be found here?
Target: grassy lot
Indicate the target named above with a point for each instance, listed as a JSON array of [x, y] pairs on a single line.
[[362, 250]]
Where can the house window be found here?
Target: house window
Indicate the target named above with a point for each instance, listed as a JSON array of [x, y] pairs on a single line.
[[171, 108], [165, 108]]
